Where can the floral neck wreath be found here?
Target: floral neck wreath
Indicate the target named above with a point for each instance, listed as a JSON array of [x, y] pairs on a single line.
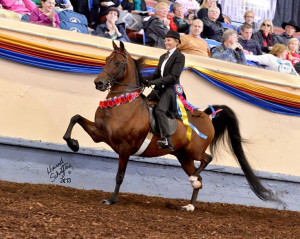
[[117, 100]]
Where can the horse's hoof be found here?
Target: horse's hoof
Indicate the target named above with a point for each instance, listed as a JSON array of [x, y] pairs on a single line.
[[188, 208], [73, 144], [108, 201]]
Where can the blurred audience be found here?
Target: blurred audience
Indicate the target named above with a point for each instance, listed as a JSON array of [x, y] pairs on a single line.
[[110, 29], [290, 28], [45, 15], [157, 26], [212, 28], [249, 45], [230, 49], [293, 48], [249, 19], [207, 4], [192, 43], [105, 5], [189, 6], [265, 36], [183, 23], [276, 60], [22, 7], [133, 6], [64, 5]]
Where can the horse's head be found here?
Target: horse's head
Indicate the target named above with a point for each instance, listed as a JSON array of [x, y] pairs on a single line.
[[114, 69]]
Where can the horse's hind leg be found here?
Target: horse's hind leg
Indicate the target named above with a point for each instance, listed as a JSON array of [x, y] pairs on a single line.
[[194, 176], [87, 125]]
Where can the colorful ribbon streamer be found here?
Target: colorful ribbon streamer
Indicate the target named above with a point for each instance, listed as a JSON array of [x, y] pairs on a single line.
[[51, 57]]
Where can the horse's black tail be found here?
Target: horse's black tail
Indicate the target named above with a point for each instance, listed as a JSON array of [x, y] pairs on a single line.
[[227, 119]]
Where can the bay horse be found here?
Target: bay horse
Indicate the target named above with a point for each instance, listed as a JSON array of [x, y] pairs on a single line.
[[122, 121]]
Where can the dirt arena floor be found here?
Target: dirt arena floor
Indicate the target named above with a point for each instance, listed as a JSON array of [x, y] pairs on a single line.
[[43, 211]]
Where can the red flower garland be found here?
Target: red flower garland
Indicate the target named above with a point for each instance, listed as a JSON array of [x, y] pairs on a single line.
[[117, 100]]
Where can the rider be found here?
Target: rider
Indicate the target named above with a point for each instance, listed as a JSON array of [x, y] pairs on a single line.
[[166, 75]]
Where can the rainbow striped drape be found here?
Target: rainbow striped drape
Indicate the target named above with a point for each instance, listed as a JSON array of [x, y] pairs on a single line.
[[50, 57]]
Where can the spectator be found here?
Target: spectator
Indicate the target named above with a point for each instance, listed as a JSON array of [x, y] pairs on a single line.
[[265, 36], [192, 43], [276, 60], [249, 45], [189, 6], [293, 47], [289, 30], [22, 7], [249, 19], [105, 5], [157, 26], [110, 29], [182, 23], [134, 6], [207, 4], [212, 28], [45, 15], [230, 50], [172, 24]]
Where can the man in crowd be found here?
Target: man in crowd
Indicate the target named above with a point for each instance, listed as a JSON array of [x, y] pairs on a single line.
[[250, 46], [289, 30], [192, 43], [212, 28], [230, 50]]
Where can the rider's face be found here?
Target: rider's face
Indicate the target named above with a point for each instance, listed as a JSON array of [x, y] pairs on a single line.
[[170, 43]]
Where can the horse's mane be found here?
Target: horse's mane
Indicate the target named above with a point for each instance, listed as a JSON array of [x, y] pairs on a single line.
[[139, 64]]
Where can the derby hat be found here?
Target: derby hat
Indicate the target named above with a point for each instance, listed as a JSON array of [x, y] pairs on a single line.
[[290, 23], [174, 35]]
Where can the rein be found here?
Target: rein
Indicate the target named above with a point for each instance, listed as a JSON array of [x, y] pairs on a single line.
[[112, 78]]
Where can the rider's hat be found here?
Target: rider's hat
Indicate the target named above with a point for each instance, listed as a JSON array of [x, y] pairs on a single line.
[[174, 35]]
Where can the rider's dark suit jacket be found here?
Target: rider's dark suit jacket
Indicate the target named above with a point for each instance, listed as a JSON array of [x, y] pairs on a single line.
[[163, 91], [172, 71]]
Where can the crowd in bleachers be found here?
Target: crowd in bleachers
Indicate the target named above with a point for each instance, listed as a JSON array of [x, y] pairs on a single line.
[[203, 28]]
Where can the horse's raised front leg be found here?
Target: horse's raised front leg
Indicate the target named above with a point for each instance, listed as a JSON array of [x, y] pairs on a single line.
[[87, 125], [123, 161]]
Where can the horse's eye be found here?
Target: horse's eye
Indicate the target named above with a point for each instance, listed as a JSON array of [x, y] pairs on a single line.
[[117, 63]]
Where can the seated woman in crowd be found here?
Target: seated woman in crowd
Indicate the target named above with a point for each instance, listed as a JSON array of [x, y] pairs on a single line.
[[22, 7], [134, 6], [265, 36], [293, 48], [207, 4], [189, 6], [249, 19], [110, 29], [276, 60], [45, 15], [157, 26], [182, 23]]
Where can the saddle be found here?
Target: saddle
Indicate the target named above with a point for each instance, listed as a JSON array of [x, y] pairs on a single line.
[[154, 125]]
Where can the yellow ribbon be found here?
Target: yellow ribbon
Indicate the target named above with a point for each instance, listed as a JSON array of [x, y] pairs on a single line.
[[185, 119]]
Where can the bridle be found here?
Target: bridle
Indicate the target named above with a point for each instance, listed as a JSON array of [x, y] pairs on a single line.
[[112, 78]]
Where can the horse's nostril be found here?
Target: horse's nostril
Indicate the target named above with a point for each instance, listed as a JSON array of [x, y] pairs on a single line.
[[98, 83]]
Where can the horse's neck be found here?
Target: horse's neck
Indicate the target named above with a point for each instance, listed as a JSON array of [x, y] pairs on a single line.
[[128, 84]]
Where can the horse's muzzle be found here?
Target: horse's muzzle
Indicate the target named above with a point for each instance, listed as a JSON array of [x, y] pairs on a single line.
[[101, 86]]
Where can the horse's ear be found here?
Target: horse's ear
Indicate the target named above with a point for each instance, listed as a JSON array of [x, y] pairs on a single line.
[[115, 45], [122, 47]]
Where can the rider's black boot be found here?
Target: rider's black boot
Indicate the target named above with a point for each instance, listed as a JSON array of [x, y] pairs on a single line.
[[166, 143]]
